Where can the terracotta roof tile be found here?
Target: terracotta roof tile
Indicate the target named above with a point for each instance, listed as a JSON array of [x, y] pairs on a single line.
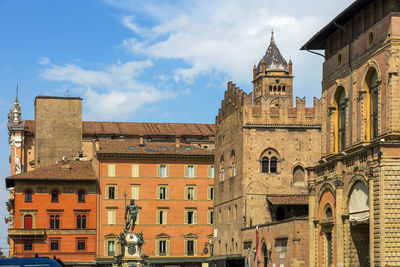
[[77, 170], [127, 147], [288, 199], [140, 128]]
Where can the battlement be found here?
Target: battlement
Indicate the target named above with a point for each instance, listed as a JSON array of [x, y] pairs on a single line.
[[277, 109], [234, 99]]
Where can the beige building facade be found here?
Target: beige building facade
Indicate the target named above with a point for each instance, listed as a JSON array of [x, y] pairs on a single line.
[[354, 190], [263, 144]]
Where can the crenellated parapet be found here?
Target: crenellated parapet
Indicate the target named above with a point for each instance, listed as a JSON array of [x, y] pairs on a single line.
[[280, 111], [234, 99]]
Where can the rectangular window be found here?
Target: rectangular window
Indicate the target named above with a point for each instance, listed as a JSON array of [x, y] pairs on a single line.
[[28, 246], [81, 244], [191, 193], [111, 170], [111, 192], [162, 247], [111, 214], [135, 191], [190, 247], [28, 196], [210, 193], [281, 244], [163, 192], [162, 217], [163, 171], [111, 248], [190, 171], [135, 170], [210, 218], [190, 217], [54, 245], [211, 171]]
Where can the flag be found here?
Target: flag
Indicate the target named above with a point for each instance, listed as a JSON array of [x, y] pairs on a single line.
[[6, 220], [257, 246]]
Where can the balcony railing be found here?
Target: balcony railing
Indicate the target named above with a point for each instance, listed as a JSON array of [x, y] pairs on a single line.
[[26, 233]]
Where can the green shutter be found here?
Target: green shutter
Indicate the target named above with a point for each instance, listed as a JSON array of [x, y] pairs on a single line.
[[195, 171], [186, 170]]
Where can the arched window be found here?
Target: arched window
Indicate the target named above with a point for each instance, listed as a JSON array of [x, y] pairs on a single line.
[[28, 195], [298, 175], [233, 164], [265, 165], [57, 222], [269, 161], [79, 221], [328, 212], [340, 98], [54, 196], [274, 165], [52, 222], [222, 170], [373, 110], [83, 221], [81, 196], [28, 221]]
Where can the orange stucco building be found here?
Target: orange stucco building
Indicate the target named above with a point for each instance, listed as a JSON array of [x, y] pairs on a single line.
[[166, 167]]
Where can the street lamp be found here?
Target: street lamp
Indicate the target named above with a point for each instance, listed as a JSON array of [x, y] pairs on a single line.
[[205, 249]]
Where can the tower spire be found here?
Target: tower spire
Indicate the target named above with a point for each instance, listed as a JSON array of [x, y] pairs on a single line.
[[272, 36], [16, 95]]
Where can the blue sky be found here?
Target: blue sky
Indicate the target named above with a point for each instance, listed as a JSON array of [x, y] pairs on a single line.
[[150, 61]]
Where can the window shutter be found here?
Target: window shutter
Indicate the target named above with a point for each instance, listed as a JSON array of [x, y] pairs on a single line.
[[157, 247], [138, 218], [186, 171], [167, 249], [135, 170], [185, 245], [116, 192], [107, 197], [158, 218], [167, 193], [158, 170], [109, 217], [186, 218], [195, 247], [194, 217], [195, 171], [158, 192], [186, 193], [111, 170], [106, 248], [165, 217], [195, 193], [209, 193], [135, 192], [167, 170], [209, 171]]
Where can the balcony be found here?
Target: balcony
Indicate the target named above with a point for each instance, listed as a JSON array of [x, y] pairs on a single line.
[[26, 233]]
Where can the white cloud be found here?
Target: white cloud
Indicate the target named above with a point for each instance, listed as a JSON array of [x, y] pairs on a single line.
[[44, 61], [227, 36], [111, 92]]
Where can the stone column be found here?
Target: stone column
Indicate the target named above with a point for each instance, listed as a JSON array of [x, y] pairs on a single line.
[[311, 224], [339, 222]]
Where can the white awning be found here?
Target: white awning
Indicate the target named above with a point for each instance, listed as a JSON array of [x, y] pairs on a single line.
[[359, 203]]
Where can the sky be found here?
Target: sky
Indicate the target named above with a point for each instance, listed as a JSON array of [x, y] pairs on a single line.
[[147, 61]]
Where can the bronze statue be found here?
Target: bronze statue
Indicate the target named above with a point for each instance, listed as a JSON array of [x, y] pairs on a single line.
[[122, 241], [133, 210]]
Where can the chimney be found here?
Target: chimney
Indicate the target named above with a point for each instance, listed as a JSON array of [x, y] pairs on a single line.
[[254, 72], [141, 142], [178, 141], [290, 67], [65, 166], [263, 66]]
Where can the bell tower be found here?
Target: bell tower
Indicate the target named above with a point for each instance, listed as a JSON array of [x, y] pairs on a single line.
[[272, 78]]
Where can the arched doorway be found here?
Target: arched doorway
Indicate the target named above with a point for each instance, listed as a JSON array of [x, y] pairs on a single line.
[[265, 254]]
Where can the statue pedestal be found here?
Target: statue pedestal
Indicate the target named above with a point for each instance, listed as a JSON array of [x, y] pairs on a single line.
[[132, 254]]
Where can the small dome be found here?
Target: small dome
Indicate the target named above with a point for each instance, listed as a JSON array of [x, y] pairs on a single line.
[[273, 59]]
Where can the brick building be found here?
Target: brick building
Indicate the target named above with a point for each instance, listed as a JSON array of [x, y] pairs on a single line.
[[263, 145], [167, 167], [354, 190]]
